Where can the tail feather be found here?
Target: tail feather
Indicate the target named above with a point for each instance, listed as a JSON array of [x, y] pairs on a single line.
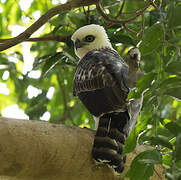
[[117, 135], [102, 132], [107, 155], [110, 138], [101, 142]]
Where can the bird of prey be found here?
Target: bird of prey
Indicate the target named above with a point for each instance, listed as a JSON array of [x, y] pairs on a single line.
[[102, 82]]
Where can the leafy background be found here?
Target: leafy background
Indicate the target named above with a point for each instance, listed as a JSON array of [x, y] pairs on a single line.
[[158, 33]]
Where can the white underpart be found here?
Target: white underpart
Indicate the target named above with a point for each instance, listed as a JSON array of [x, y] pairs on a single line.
[[101, 39]]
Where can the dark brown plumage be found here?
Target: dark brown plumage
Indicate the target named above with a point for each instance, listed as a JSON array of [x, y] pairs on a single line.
[[102, 82]]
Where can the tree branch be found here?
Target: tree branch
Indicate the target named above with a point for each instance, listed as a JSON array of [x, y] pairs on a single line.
[[46, 38], [35, 150], [42, 20]]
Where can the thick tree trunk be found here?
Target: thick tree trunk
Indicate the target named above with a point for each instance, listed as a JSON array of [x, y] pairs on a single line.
[[34, 150]]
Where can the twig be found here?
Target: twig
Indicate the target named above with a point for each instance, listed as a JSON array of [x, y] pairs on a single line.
[[115, 21], [87, 14], [121, 9], [157, 173], [154, 5], [43, 19], [130, 30], [160, 4]]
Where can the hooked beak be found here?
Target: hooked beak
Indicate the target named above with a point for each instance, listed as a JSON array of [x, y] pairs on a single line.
[[79, 44]]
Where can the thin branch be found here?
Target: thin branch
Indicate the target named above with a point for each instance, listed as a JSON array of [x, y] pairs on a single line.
[[115, 21], [160, 4], [47, 38], [43, 19], [130, 30], [87, 14], [154, 5], [121, 9], [157, 173]]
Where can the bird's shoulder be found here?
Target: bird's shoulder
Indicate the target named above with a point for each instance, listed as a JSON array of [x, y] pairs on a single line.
[[106, 57], [99, 69]]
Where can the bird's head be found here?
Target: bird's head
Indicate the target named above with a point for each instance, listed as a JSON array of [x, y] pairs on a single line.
[[88, 38], [133, 57]]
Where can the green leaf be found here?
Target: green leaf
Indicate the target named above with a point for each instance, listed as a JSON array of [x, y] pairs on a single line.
[[160, 141], [152, 39], [142, 166], [151, 157], [50, 63], [178, 163], [118, 37], [174, 67], [77, 18], [59, 20], [130, 143], [174, 128], [171, 82], [174, 40], [37, 106], [114, 9], [174, 14], [174, 92], [145, 81], [178, 148], [167, 159]]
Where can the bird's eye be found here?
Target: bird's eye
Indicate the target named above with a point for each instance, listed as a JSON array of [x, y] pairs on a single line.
[[135, 56], [89, 38]]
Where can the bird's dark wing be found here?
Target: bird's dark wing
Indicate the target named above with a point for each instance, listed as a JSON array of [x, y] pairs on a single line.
[[100, 81], [100, 69]]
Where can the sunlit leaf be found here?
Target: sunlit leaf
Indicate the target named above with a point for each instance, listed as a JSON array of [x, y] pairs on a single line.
[[167, 159]]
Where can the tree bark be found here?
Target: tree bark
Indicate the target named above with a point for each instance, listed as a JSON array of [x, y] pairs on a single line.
[[34, 150]]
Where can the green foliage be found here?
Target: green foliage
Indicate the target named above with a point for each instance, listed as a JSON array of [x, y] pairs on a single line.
[[152, 39], [142, 166], [159, 123]]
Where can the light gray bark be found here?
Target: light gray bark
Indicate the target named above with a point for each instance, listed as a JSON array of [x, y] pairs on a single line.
[[34, 150]]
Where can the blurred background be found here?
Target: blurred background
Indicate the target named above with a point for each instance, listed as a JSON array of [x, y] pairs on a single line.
[[36, 76]]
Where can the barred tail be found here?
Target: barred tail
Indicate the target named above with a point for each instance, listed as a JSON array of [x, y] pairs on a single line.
[[110, 138]]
